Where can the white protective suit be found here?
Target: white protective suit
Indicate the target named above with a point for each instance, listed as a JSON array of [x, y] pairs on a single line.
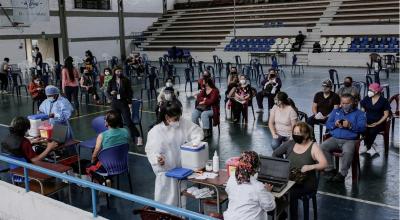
[[165, 141], [248, 201]]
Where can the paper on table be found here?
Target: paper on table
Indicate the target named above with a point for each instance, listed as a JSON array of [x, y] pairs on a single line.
[[203, 176], [319, 116]]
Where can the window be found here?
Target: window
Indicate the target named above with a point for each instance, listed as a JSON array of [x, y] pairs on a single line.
[[93, 4]]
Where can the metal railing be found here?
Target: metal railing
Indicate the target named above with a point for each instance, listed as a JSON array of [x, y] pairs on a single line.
[[93, 187]]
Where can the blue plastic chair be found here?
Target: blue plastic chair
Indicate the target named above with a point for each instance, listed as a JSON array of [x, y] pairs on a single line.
[[14, 179], [114, 160], [98, 125], [136, 116]]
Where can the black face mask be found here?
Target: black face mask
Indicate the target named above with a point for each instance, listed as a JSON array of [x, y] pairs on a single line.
[[298, 138], [347, 84]]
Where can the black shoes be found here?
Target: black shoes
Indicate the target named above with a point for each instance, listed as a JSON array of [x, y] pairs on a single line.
[[338, 178]]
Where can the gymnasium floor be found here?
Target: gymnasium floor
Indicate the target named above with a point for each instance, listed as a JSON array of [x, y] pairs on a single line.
[[375, 197]]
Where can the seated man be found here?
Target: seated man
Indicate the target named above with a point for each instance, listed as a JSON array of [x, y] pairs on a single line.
[[17, 145], [349, 88], [317, 47], [323, 104], [299, 42], [270, 87], [345, 124]]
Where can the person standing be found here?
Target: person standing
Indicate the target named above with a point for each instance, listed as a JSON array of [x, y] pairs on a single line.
[[119, 88], [4, 71], [70, 82], [163, 149], [38, 61]]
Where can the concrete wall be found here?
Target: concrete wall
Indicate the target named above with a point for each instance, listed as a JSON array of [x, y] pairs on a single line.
[[282, 31], [18, 204], [351, 30]]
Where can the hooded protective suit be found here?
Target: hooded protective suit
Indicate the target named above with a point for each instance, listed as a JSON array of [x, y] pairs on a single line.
[[165, 141]]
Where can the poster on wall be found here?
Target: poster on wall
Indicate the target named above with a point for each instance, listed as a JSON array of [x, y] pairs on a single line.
[[29, 11]]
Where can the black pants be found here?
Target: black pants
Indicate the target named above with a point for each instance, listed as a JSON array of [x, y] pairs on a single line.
[[93, 91], [4, 81], [296, 192], [71, 92], [371, 133], [123, 109], [260, 97], [312, 121], [239, 109]]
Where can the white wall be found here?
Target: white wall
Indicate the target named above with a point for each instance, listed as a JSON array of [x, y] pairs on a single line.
[[137, 24], [18, 204], [92, 27], [10, 49], [282, 31], [50, 27], [360, 30], [97, 47], [149, 6]]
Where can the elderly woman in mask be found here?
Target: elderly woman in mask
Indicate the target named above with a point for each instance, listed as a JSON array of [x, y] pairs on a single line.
[[240, 97], [248, 197], [167, 93], [377, 110], [163, 149], [58, 108]]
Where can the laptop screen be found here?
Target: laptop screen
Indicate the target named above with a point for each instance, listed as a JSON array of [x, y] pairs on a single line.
[[274, 168], [59, 133]]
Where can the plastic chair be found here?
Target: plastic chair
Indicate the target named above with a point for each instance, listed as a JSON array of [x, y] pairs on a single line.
[[302, 116], [201, 68], [137, 111], [334, 77], [394, 109], [238, 61], [171, 73], [188, 73], [17, 84], [212, 72], [215, 61], [99, 126]]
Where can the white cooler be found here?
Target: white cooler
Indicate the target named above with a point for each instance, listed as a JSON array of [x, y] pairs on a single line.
[[194, 157], [36, 121]]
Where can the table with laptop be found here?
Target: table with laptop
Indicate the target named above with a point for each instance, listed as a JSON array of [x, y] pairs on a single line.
[[274, 171]]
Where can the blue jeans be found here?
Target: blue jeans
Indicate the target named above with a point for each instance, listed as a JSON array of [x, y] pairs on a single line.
[[278, 141], [205, 117]]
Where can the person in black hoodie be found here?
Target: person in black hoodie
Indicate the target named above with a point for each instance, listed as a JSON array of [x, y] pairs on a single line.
[[119, 88], [17, 145]]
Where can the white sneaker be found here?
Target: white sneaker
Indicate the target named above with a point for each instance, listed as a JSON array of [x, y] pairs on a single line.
[[5, 92], [139, 141]]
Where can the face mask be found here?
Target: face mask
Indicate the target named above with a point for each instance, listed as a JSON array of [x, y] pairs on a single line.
[[37, 82], [277, 102], [52, 99], [174, 124], [168, 84], [107, 73], [298, 138], [347, 108], [347, 84], [243, 82], [326, 89], [272, 76], [119, 75], [168, 97], [370, 94]]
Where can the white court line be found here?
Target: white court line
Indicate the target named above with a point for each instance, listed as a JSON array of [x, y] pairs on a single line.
[[359, 200], [7, 126], [137, 154]]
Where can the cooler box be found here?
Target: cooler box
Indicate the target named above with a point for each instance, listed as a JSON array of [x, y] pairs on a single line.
[[46, 131], [194, 157], [231, 165], [36, 121]]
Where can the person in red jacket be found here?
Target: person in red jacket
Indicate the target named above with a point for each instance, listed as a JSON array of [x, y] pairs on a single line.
[[36, 89], [207, 105]]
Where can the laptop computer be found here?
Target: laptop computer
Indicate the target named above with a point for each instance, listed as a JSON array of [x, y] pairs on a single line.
[[274, 171], [59, 133]]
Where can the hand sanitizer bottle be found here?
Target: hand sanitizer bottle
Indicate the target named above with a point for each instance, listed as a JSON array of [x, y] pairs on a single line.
[[215, 162]]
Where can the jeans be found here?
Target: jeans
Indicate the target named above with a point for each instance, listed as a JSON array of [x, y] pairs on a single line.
[[276, 142], [205, 117], [71, 92], [348, 148]]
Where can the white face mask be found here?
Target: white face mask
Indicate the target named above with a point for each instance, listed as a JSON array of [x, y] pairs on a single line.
[[174, 124], [51, 99], [107, 73], [370, 94], [168, 97], [37, 82], [168, 84], [243, 81]]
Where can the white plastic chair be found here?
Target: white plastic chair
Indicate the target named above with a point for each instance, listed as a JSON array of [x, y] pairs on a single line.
[[285, 41], [281, 47], [288, 47], [336, 47], [278, 41], [328, 48], [274, 47], [344, 47], [339, 40], [322, 41], [292, 40], [331, 41], [347, 40]]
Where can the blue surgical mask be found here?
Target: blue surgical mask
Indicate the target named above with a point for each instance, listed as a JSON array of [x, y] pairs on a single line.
[[347, 108], [51, 99]]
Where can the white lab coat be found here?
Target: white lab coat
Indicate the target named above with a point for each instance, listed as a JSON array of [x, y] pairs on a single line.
[[166, 141], [248, 201]]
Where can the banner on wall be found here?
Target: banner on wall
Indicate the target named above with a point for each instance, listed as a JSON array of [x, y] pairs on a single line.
[[29, 11]]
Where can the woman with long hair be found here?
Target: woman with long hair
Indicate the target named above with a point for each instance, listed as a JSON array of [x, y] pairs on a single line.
[[70, 82]]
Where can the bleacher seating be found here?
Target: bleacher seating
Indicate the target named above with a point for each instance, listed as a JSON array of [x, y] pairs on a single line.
[[250, 44], [380, 44]]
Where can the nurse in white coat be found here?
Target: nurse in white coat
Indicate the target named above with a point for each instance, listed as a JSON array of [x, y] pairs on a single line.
[[163, 149], [249, 199]]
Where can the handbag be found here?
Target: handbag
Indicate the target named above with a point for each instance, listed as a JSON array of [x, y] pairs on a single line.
[[297, 176], [203, 108]]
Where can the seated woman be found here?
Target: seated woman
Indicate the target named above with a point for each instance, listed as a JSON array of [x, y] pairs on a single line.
[[167, 93], [115, 135], [270, 87], [17, 145], [377, 110], [282, 118], [248, 197], [207, 105], [305, 158], [87, 83], [240, 97], [200, 82], [232, 75], [36, 89]]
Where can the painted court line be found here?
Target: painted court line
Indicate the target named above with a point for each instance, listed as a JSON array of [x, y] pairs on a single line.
[[94, 113]]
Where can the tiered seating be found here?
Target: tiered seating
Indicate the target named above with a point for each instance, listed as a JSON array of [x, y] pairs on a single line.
[[204, 29], [283, 44], [368, 12], [380, 44], [250, 44], [385, 44]]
